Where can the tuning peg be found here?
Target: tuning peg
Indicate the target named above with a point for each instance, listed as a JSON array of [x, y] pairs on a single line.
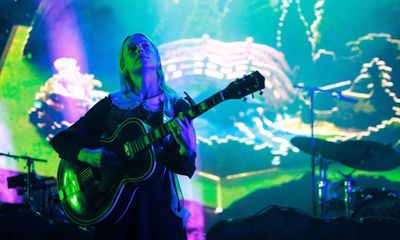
[[244, 99], [252, 95], [189, 99], [261, 92]]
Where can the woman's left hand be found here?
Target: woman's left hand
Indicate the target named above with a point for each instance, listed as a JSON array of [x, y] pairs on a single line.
[[183, 131]]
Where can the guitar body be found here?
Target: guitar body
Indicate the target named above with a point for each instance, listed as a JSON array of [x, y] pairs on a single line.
[[91, 195]]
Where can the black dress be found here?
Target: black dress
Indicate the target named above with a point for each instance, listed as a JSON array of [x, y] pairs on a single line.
[[150, 215]]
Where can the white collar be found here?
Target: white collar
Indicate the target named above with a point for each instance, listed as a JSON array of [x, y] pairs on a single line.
[[130, 100]]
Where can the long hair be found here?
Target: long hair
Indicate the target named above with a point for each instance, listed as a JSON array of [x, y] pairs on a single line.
[[124, 76]]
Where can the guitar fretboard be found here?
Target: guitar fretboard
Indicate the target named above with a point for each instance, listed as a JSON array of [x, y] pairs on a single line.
[[158, 133]]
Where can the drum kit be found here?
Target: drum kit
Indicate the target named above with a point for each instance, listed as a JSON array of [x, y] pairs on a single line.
[[358, 155], [39, 192]]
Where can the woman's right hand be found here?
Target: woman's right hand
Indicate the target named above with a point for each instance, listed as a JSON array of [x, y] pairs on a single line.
[[98, 157]]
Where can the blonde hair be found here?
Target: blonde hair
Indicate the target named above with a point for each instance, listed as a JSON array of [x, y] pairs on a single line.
[[124, 77]]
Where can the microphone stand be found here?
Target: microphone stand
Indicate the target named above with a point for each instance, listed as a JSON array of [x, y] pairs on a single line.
[[29, 164], [311, 93]]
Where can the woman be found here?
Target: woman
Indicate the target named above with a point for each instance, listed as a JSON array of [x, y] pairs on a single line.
[[154, 212]]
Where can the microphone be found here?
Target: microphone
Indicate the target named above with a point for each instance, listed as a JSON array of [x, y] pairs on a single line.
[[338, 95], [333, 93]]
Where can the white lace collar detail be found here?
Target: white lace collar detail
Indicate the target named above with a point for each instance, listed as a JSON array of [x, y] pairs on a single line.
[[129, 101]]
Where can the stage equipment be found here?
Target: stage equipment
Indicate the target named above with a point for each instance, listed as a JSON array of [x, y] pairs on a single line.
[[280, 223], [367, 155], [362, 155], [28, 177], [376, 204], [323, 184]]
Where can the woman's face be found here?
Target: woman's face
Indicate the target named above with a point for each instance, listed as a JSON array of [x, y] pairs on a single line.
[[140, 55]]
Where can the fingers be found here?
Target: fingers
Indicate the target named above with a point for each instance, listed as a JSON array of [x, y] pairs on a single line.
[[181, 128], [179, 124], [175, 129], [183, 121], [178, 130], [184, 134], [187, 123]]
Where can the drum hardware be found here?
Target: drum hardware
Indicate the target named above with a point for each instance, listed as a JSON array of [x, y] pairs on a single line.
[[365, 194], [45, 203], [37, 182], [313, 145], [29, 175], [348, 191], [323, 190], [40, 189], [326, 151], [323, 185], [377, 205], [363, 155]]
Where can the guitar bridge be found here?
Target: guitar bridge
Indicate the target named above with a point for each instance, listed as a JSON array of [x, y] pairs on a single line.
[[128, 150]]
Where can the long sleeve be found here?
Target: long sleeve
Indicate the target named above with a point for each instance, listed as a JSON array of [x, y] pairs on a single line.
[[83, 133], [184, 165]]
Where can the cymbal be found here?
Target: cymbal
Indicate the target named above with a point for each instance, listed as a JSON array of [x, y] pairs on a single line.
[[322, 147], [367, 155], [363, 155]]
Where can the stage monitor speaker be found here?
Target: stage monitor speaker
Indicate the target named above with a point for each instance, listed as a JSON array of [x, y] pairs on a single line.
[[279, 223]]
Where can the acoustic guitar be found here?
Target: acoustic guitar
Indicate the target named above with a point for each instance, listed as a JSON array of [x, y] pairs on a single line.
[[91, 195]]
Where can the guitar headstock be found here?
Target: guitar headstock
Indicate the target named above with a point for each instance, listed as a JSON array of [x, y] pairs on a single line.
[[244, 86]]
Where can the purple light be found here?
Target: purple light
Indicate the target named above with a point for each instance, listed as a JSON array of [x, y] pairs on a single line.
[[8, 195], [195, 228], [63, 33]]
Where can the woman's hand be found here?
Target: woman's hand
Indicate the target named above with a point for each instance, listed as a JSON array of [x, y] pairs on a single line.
[[98, 157], [183, 131]]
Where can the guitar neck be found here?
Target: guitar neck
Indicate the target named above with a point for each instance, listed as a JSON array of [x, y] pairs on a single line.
[[158, 133], [204, 106], [235, 90]]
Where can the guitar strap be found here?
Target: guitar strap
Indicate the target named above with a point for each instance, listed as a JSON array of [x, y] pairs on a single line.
[[177, 198]]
